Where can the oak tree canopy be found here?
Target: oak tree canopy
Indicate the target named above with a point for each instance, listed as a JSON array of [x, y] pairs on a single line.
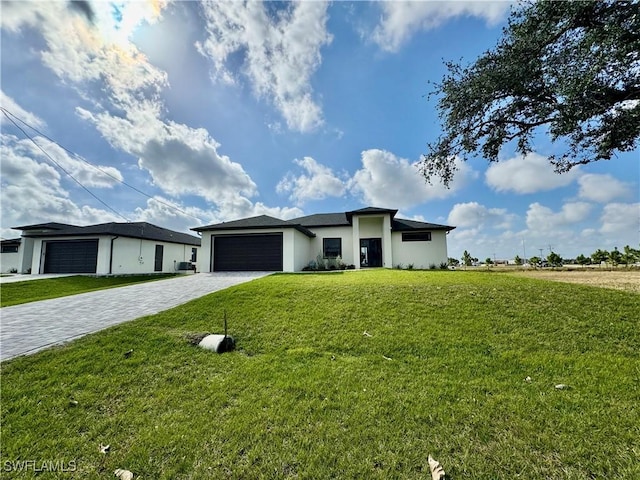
[[570, 69]]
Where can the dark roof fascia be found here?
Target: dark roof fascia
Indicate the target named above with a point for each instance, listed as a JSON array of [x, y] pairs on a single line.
[[405, 225], [261, 222], [45, 226], [130, 230], [11, 241], [371, 211]]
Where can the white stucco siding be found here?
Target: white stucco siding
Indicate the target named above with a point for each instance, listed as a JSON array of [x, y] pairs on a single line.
[[37, 256], [9, 261], [26, 255], [288, 250], [371, 227], [420, 254], [345, 233], [132, 255], [205, 254], [301, 250]]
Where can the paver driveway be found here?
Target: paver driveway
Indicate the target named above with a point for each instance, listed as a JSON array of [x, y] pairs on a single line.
[[27, 328]]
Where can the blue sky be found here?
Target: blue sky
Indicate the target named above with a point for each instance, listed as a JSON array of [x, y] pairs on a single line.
[[223, 110]]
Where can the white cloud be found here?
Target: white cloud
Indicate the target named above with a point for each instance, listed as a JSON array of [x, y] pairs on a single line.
[[388, 180], [472, 214], [570, 231], [529, 174], [82, 49], [400, 20], [602, 188], [180, 159], [123, 92], [543, 219], [32, 192], [622, 220], [285, 213], [9, 104], [98, 176], [280, 53], [171, 214], [319, 182]]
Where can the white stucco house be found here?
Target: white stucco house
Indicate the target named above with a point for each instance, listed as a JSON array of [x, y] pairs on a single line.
[[365, 238], [104, 249]]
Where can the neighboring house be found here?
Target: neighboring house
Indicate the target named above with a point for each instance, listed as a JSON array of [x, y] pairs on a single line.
[[107, 248], [369, 237], [9, 255]]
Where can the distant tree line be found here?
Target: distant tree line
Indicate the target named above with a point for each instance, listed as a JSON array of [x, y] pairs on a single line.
[[615, 257]]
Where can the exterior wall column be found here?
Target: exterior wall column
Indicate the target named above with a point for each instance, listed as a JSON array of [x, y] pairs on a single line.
[[37, 260], [25, 258], [288, 250], [387, 254], [355, 221], [205, 254]]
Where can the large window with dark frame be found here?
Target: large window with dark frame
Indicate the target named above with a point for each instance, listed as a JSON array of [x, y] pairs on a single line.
[[416, 237], [10, 248], [331, 247]]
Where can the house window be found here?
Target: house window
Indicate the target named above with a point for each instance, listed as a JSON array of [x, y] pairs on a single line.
[[416, 237], [331, 247], [9, 248], [194, 255]]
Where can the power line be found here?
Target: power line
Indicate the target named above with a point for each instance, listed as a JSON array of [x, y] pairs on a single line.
[[75, 155], [61, 167]]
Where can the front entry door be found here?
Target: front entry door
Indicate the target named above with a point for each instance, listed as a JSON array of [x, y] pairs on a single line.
[[370, 252], [157, 267]]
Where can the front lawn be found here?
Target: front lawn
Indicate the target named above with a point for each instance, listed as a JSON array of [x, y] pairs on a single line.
[[34, 290], [460, 365]]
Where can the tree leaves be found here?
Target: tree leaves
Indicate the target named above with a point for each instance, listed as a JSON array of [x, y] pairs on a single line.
[[568, 69]]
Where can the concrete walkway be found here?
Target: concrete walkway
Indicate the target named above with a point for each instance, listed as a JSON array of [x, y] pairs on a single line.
[[28, 328], [20, 277]]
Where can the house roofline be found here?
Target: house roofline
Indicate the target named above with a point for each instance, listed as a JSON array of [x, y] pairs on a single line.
[[129, 230], [260, 222]]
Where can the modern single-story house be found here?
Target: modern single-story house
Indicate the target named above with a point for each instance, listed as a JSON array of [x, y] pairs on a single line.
[[369, 237], [104, 249]]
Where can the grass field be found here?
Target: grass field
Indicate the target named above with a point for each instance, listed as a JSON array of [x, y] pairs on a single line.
[[34, 290], [441, 370]]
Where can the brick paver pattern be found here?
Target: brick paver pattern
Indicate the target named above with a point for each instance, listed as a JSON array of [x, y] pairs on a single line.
[[28, 328]]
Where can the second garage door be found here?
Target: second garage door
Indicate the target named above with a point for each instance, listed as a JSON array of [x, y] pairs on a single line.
[[246, 253], [71, 256]]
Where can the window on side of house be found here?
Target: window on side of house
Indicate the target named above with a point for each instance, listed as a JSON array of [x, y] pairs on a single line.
[[331, 247], [416, 237], [9, 248], [194, 255]]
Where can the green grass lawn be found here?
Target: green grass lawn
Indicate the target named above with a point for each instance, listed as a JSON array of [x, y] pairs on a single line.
[[34, 290], [308, 395]]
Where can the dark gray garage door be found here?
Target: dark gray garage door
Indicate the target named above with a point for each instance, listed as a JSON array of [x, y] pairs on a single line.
[[71, 256], [247, 253]]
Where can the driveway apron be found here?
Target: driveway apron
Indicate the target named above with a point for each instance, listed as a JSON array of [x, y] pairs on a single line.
[[28, 328]]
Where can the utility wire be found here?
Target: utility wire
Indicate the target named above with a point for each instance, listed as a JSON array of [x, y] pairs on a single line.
[[75, 155], [60, 166]]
